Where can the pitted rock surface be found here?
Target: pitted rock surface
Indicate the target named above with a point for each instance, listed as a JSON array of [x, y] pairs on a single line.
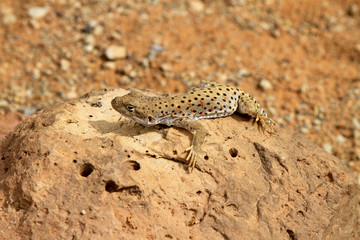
[[75, 171]]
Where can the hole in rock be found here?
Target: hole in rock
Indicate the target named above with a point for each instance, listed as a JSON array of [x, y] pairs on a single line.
[[111, 186], [206, 157], [74, 161], [134, 165], [330, 176], [233, 152], [86, 169], [291, 234]]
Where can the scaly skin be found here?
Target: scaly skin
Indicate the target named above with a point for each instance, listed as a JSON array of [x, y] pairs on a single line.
[[209, 100]]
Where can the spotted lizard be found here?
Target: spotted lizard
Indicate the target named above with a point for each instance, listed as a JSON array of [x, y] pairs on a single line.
[[209, 100]]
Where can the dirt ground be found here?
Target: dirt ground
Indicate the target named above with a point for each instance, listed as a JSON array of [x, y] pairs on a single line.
[[300, 59]]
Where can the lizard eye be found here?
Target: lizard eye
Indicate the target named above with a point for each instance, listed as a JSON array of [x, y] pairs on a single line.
[[130, 108]]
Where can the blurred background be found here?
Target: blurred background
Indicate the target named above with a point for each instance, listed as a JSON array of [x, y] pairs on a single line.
[[299, 58]]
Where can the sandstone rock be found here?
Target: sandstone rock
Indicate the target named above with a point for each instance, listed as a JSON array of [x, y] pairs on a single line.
[[72, 171]]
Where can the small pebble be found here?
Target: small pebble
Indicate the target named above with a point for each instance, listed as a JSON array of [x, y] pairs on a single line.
[[243, 73], [340, 139], [90, 40], [304, 88], [34, 24], [83, 212], [38, 12], [133, 74], [328, 147], [265, 85], [124, 80], [36, 74], [157, 48], [316, 122], [89, 48], [145, 62], [196, 6], [92, 23], [8, 15], [3, 103], [98, 30], [289, 118], [29, 111], [109, 65], [275, 33], [166, 67], [64, 65], [304, 130], [353, 10], [114, 52], [356, 123]]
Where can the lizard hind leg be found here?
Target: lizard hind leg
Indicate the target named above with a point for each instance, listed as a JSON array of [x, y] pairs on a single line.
[[250, 106], [264, 121]]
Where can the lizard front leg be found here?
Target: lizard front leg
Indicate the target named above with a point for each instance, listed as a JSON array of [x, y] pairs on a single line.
[[199, 135]]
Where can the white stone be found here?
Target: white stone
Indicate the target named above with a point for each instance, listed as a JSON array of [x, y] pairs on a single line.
[[38, 12], [328, 147], [196, 6], [114, 52], [340, 139], [64, 65], [265, 84], [109, 65]]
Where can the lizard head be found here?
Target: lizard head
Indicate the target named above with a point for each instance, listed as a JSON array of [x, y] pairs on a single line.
[[134, 106]]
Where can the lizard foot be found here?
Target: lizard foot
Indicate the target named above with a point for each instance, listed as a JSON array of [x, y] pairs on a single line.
[[265, 121], [191, 158]]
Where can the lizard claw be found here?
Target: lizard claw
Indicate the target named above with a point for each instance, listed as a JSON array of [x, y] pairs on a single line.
[[191, 158], [265, 121]]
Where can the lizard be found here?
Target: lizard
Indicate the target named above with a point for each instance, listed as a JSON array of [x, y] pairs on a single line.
[[208, 100]]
